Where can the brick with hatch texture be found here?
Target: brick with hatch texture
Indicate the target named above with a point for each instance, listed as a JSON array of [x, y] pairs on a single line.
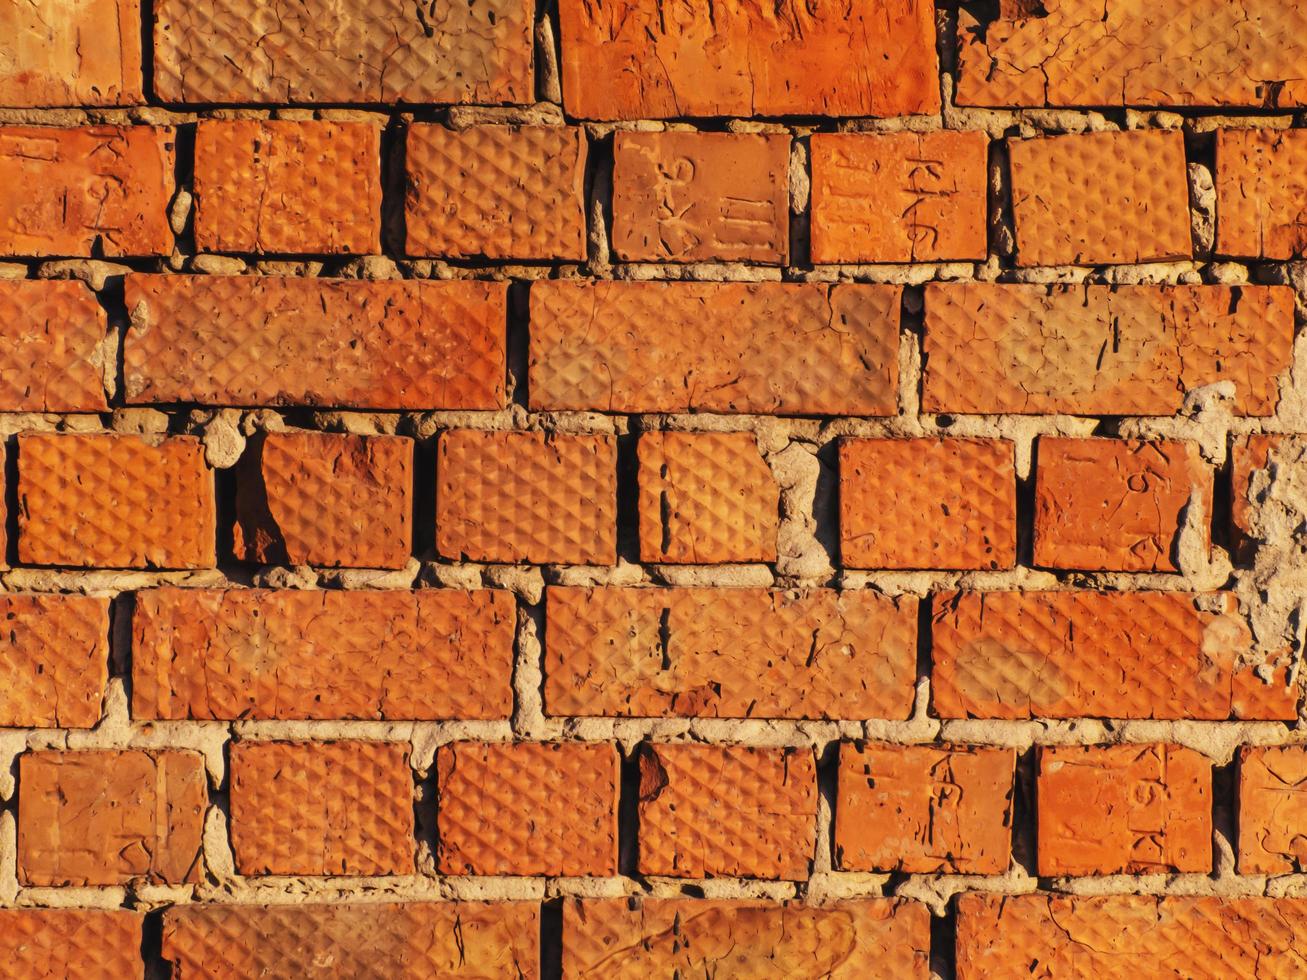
[[110, 817], [1135, 809], [70, 944], [71, 54], [1272, 809], [1261, 193], [54, 660], [54, 347]]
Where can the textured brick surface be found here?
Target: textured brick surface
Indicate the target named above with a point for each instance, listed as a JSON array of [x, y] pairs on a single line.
[[70, 944], [321, 808], [1140, 809], [712, 810], [927, 503], [54, 660], [53, 349], [97, 189], [1248, 455], [1261, 193], [782, 348], [898, 197], [109, 817], [701, 197], [527, 808], [258, 653], [729, 653], [1100, 350], [55, 53], [1272, 809], [254, 341], [503, 192], [312, 498]]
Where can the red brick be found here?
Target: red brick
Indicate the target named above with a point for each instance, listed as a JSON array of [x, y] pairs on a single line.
[[502, 192], [527, 808], [1261, 193], [103, 189], [1136, 809], [712, 810], [321, 808], [924, 808], [729, 653], [93, 501], [631, 60], [71, 54], [70, 944], [313, 498], [899, 197], [1099, 198], [233, 654], [758, 348], [361, 51], [701, 197], [706, 498], [852, 940], [54, 660], [415, 939], [1116, 504], [1271, 698], [1248, 455], [256, 341], [526, 497], [110, 817], [1102, 350], [1272, 809], [928, 503], [287, 186], [53, 355]]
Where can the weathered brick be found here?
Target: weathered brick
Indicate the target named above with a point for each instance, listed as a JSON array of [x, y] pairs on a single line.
[[1099, 198], [232, 654], [1261, 193], [109, 817], [701, 197], [852, 940], [321, 808], [263, 340], [1248, 455], [899, 197], [101, 189], [415, 939], [285, 186], [1138, 809], [706, 498], [53, 355], [526, 497], [924, 808], [54, 660], [56, 53], [1116, 504], [712, 810], [1272, 809], [502, 192], [314, 498], [1102, 350], [527, 808], [928, 503], [631, 60], [765, 348], [360, 51], [94, 501], [70, 944], [729, 653]]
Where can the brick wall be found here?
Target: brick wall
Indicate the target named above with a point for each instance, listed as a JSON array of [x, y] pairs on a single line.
[[602, 488]]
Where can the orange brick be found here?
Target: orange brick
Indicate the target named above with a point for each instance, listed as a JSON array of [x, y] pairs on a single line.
[[52, 347], [92, 189], [71, 54], [632, 60], [110, 817], [70, 944], [321, 808], [527, 808], [313, 498], [502, 192], [264, 340], [1102, 350], [764, 348], [899, 197], [1137, 809], [94, 501], [701, 197], [415, 939], [853, 940], [1261, 193], [526, 497], [1115, 504], [1099, 198], [706, 498], [362, 51], [1272, 809], [729, 653], [924, 808], [928, 503], [287, 186], [713, 810], [1248, 455], [54, 660], [233, 654], [1271, 698]]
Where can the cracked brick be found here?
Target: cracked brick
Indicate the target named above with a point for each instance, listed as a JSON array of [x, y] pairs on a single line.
[[71, 54]]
